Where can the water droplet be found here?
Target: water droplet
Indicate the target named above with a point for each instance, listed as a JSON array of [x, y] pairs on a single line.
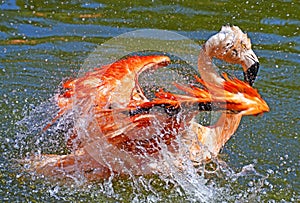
[[270, 171], [16, 146]]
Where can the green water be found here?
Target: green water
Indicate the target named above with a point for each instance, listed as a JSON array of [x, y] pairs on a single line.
[[42, 43]]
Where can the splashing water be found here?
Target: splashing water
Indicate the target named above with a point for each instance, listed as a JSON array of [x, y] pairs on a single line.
[[194, 184]]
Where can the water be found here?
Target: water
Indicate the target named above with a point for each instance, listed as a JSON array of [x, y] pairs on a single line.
[[44, 43]]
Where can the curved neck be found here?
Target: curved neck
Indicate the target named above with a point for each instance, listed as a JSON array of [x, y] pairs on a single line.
[[207, 68], [214, 137]]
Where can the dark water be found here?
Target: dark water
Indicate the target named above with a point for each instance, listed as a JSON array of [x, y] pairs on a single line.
[[42, 43]]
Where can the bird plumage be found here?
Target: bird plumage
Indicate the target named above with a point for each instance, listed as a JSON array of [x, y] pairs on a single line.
[[126, 128]]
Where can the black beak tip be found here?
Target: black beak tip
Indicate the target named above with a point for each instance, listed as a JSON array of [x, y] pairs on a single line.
[[251, 73]]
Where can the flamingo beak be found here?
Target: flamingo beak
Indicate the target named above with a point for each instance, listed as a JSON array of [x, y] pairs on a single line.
[[250, 65], [251, 73]]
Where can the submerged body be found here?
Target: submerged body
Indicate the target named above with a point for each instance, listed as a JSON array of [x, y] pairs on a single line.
[[118, 130]]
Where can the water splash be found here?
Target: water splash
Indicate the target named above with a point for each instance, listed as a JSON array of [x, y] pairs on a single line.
[[32, 141], [31, 134], [207, 182], [195, 184]]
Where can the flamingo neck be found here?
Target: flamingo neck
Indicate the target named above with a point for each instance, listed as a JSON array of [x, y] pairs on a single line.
[[206, 67], [214, 137]]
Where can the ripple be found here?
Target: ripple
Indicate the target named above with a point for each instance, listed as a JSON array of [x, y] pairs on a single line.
[[278, 21]]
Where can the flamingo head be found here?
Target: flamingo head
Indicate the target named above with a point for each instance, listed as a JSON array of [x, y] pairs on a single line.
[[233, 46]]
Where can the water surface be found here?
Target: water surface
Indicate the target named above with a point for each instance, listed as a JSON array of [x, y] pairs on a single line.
[[42, 43]]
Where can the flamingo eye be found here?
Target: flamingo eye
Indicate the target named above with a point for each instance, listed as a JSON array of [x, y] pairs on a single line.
[[234, 53], [243, 45]]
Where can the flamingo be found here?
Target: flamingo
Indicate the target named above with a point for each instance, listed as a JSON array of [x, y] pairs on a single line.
[[125, 135], [232, 46]]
